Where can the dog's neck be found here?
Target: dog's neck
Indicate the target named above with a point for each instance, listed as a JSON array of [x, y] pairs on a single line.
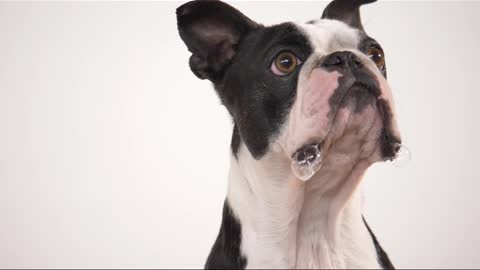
[[287, 223]]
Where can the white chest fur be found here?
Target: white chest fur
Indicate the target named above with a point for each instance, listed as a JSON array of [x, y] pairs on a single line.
[[286, 223], [329, 240]]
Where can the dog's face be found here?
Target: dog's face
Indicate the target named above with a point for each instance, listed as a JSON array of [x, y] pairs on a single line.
[[291, 85]]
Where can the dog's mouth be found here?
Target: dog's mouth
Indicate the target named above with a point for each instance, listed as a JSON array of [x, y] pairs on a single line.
[[362, 101], [363, 94], [390, 144]]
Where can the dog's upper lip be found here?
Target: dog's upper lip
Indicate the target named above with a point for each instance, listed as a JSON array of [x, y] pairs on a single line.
[[371, 88], [354, 84]]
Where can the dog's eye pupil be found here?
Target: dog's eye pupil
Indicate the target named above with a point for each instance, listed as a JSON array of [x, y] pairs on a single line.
[[285, 62]]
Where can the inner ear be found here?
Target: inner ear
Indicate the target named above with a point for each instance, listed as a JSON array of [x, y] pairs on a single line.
[[347, 11], [211, 30]]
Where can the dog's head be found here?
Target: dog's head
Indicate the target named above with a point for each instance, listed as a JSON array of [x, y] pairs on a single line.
[[292, 85]]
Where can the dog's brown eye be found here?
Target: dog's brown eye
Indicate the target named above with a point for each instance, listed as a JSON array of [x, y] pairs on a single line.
[[377, 56], [284, 63]]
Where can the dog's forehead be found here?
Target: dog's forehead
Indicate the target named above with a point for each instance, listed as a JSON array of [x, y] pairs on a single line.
[[327, 36]]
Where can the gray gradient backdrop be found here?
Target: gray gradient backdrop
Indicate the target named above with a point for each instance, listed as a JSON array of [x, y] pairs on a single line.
[[112, 154]]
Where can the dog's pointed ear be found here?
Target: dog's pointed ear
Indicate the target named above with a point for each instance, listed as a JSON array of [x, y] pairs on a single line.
[[211, 30], [347, 11]]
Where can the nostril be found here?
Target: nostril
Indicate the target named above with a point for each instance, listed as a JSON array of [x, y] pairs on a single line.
[[355, 59], [333, 60]]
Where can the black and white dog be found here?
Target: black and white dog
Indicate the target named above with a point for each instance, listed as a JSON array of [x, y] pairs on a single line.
[[312, 110]]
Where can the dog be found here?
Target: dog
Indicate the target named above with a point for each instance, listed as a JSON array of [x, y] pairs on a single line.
[[311, 110]]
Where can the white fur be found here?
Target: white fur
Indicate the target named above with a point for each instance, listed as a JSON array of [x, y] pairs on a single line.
[[287, 223]]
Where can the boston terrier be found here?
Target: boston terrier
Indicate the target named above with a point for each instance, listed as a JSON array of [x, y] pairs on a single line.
[[311, 110]]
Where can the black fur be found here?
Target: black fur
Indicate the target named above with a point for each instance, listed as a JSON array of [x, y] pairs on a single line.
[[257, 99], [347, 11], [225, 253], [238, 61], [211, 30], [383, 259]]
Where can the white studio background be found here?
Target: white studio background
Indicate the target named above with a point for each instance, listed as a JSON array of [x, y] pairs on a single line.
[[113, 154]]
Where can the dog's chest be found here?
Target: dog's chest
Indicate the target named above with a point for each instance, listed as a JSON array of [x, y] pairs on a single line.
[[273, 236], [326, 241], [311, 244]]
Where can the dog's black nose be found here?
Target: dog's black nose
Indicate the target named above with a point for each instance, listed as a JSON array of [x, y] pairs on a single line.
[[341, 60]]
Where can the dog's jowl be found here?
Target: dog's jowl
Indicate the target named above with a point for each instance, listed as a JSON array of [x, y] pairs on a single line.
[[312, 110]]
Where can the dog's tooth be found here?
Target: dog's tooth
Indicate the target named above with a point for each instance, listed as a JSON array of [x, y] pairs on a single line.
[[403, 156], [306, 162]]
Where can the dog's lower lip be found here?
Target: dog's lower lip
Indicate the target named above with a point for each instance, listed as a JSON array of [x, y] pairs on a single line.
[[391, 146]]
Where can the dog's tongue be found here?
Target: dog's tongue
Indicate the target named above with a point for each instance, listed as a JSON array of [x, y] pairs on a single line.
[[306, 162]]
